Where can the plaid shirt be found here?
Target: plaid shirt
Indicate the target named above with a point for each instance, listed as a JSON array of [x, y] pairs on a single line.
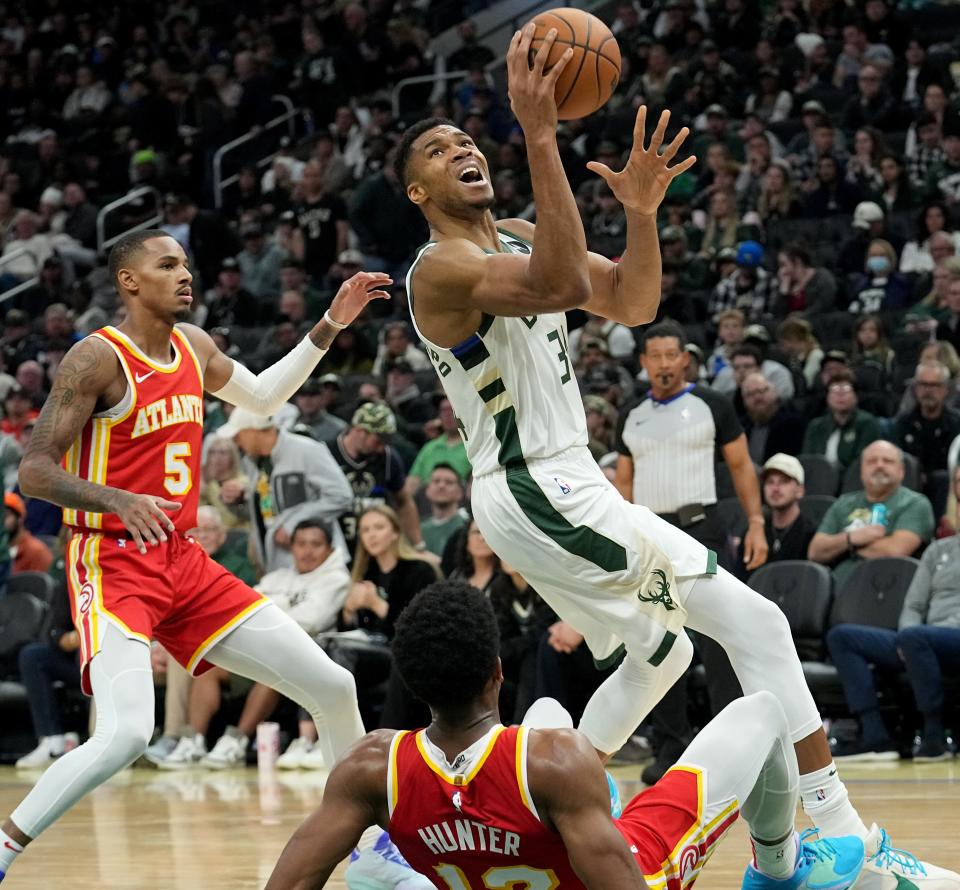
[[921, 162], [805, 167], [754, 303]]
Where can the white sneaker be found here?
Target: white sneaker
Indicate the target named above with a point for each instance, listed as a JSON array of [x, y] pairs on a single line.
[[49, 749], [371, 871], [315, 759], [292, 758], [161, 749], [189, 751], [229, 751], [887, 868]]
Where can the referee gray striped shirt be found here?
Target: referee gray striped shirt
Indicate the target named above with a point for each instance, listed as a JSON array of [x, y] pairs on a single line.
[[674, 445]]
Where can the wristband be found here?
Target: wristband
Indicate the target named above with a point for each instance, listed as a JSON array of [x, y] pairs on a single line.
[[332, 323]]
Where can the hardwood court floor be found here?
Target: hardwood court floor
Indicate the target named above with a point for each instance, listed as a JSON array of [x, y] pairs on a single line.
[[223, 831]]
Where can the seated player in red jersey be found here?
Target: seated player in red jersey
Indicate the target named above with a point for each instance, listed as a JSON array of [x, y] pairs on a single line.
[[473, 804]]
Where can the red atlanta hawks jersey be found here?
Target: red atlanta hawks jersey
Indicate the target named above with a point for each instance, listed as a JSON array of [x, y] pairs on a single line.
[[150, 443], [477, 829]]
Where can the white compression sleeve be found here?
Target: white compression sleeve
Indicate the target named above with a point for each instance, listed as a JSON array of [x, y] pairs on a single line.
[[265, 392]]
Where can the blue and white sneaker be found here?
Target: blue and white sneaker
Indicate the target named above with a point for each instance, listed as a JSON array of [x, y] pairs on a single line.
[[827, 864], [888, 868], [382, 867], [616, 805]]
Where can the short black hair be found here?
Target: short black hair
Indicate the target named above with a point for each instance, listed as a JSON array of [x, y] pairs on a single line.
[[313, 523], [411, 135], [666, 328], [127, 247], [750, 350], [443, 465], [446, 645]]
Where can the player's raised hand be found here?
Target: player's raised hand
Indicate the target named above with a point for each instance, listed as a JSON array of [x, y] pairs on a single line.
[[643, 182], [531, 88], [356, 292], [144, 517]]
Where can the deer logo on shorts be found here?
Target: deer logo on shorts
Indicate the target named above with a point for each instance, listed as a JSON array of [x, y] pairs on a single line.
[[661, 594], [85, 597], [688, 862]]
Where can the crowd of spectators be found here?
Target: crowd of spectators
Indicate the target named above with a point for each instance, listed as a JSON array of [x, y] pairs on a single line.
[[810, 256]]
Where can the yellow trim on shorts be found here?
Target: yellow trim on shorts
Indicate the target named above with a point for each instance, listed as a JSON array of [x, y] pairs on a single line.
[[393, 786], [452, 778], [217, 635], [95, 576]]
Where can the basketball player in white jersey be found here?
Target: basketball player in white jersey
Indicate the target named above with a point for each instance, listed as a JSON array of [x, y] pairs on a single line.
[[488, 299]]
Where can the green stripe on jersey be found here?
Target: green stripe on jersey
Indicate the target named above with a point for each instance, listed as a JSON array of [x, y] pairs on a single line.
[[579, 540], [492, 390]]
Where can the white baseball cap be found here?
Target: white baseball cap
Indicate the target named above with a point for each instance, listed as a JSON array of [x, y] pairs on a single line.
[[241, 419], [786, 464]]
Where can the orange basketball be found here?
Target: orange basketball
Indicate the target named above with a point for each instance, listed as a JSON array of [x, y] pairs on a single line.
[[593, 73]]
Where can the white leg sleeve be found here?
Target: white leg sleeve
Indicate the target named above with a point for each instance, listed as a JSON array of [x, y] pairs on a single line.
[[618, 707], [123, 695], [756, 637], [748, 756], [271, 648]]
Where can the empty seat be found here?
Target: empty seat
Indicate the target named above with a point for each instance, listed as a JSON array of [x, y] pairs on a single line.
[[820, 475], [815, 506]]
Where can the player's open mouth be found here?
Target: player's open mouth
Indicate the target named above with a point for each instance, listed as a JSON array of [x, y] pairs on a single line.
[[471, 175]]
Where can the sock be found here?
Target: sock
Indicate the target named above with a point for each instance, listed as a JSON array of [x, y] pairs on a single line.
[[776, 859], [57, 744], [825, 801], [872, 726], [9, 850]]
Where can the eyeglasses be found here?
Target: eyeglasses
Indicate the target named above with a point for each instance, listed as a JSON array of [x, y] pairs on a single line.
[[841, 387]]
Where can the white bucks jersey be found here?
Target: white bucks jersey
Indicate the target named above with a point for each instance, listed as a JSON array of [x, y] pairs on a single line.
[[511, 384]]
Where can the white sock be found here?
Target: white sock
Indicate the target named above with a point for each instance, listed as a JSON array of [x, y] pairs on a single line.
[[57, 744], [9, 850], [826, 802], [776, 859], [547, 713]]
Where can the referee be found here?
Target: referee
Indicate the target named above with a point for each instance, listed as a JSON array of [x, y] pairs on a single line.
[[669, 442]]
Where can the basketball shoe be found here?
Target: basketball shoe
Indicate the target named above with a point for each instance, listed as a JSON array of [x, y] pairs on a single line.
[[826, 864], [383, 867], [190, 749], [887, 868]]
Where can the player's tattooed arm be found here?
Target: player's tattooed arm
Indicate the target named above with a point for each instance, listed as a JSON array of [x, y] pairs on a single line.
[[84, 375], [88, 374]]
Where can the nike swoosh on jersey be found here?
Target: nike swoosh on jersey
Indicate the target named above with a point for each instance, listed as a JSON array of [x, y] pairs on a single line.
[[141, 377]]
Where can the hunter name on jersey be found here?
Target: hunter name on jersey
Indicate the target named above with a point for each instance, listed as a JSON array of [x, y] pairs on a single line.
[[468, 834], [166, 412]]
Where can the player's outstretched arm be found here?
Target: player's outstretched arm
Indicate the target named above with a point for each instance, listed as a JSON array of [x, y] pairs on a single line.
[[629, 291], [265, 392], [353, 800], [570, 791], [84, 376]]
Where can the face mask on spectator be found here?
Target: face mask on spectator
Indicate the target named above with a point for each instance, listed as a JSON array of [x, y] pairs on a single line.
[[878, 264]]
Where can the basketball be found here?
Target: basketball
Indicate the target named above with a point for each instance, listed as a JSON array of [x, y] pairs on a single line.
[[593, 73]]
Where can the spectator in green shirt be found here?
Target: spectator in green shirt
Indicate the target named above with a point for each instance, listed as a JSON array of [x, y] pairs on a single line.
[[447, 516], [446, 448], [211, 534], [850, 533], [844, 430]]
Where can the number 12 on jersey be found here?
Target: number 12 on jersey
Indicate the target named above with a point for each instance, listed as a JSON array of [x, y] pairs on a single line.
[[509, 877]]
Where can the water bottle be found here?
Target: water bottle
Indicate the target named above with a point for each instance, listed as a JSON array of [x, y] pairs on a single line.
[[879, 514]]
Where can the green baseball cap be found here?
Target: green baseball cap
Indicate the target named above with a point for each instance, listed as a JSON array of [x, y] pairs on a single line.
[[376, 418]]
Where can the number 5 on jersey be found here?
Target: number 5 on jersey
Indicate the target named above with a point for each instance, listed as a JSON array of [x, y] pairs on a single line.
[[177, 479]]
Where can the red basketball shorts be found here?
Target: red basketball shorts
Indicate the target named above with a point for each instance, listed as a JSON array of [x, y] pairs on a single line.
[[174, 593], [672, 828]]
